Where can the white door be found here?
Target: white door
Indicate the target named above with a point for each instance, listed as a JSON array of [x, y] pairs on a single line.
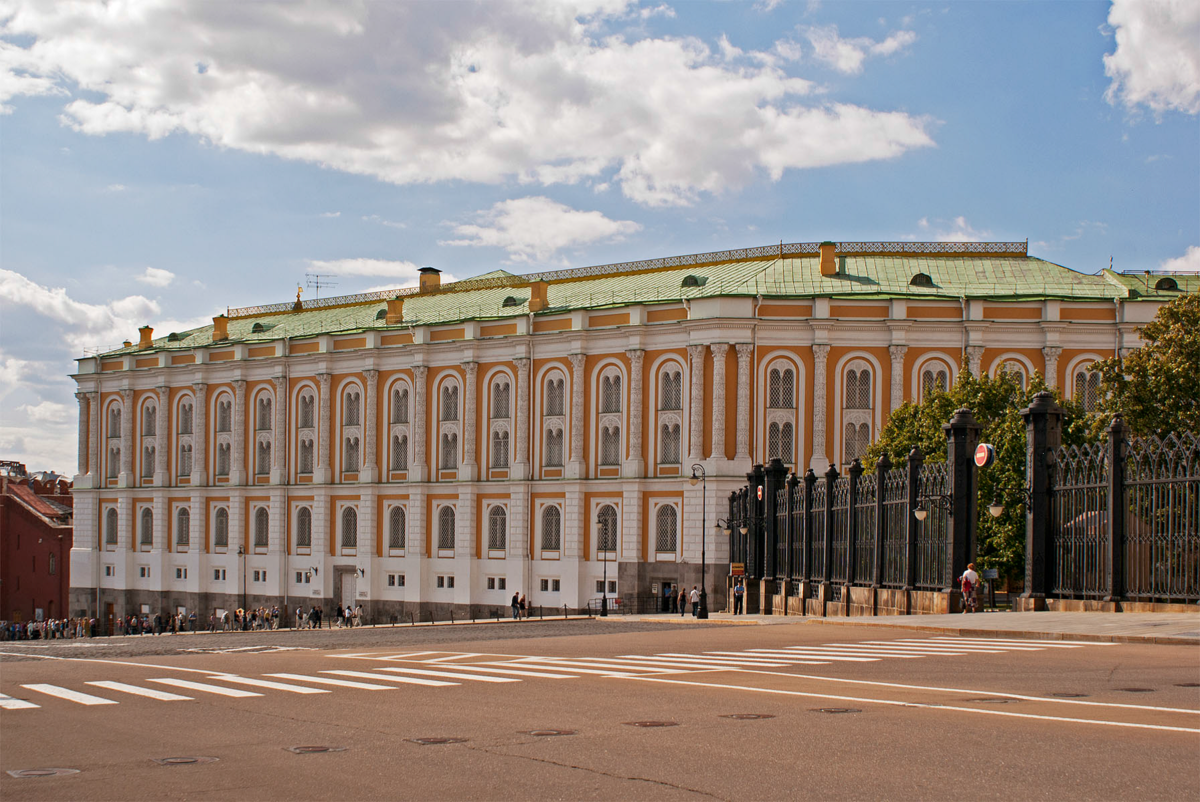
[[349, 589]]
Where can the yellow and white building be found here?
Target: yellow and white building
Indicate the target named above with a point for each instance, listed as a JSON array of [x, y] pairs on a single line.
[[442, 447]]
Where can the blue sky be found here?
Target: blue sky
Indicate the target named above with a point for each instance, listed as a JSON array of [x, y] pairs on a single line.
[[161, 161]]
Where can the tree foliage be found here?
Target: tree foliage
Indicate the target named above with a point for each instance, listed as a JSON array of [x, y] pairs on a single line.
[[1156, 388], [996, 404]]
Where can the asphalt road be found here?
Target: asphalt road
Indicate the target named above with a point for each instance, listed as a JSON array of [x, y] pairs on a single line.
[[931, 717]]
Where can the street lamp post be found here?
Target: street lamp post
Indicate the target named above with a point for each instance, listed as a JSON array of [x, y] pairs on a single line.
[[697, 467], [604, 582], [242, 554]]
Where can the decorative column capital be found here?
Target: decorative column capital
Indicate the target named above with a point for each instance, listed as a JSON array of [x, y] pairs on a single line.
[[695, 352], [974, 359], [1051, 351], [420, 371], [126, 394], [719, 350], [897, 352], [577, 361], [636, 356], [820, 351], [744, 350]]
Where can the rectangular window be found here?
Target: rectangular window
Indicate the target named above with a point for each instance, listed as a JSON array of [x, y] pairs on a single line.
[[491, 583], [612, 586], [299, 577], [108, 570], [144, 572], [399, 580], [255, 576], [555, 585], [441, 582], [501, 583], [391, 580], [181, 573], [449, 581], [599, 585], [545, 585]]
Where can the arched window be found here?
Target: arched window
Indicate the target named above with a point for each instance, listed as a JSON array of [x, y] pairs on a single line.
[[446, 528], [349, 528], [262, 463], [147, 462], [351, 402], [781, 439], [857, 401], [400, 452], [400, 405], [185, 459], [555, 397], [497, 529], [262, 528], [450, 402], [185, 418], [183, 526], [110, 527], [610, 445], [396, 532], [263, 418], [147, 529], [224, 415], [350, 464], [449, 451], [935, 378], [306, 455], [114, 461], [500, 399], [554, 447], [671, 447], [781, 389], [304, 528], [223, 455], [149, 421], [221, 528], [606, 522], [307, 415], [610, 394], [1014, 368], [671, 393], [499, 449], [666, 530], [551, 529], [114, 422], [1087, 387]]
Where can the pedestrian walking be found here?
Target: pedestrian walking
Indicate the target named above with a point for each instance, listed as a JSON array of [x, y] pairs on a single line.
[[668, 597], [516, 606], [695, 599], [970, 587], [739, 596], [524, 609], [682, 599]]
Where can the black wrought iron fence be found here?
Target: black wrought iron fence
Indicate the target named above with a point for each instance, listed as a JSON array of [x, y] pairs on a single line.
[[1080, 541], [866, 509], [896, 516], [817, 566], [1162, 523], [839, 548], [933, 533]]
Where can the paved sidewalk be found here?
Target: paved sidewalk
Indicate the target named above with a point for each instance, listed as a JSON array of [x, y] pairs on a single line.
[[1168, 628]]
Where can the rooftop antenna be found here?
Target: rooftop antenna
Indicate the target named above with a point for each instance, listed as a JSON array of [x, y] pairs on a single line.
[[315, 281]]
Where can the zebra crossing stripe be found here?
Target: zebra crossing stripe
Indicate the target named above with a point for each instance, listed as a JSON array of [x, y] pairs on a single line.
[[9, 703], [266, 683], [596, 665], [137, 690], [340, 683], [981, 648], [514, 672], [808, 653], [1007, 642], [724, 661], [236, 693], [550, 663], [69, 695], [646, 662], [447, 674], [433, 683]]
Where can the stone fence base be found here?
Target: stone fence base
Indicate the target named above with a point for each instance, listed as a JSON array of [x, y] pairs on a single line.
[[784, 597], [1034, 603]]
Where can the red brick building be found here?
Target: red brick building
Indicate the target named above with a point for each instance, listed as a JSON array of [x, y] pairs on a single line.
[[35, 544]]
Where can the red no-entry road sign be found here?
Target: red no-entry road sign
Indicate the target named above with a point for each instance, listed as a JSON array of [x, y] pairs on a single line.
[[985, 455]]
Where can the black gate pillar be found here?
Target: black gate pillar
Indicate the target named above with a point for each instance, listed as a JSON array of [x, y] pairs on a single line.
[[792, 566], [1043, 434], [810, 480], [913, 487], [1117, 520], [754, 534], [882, 466], [775, 479], [962, 436]]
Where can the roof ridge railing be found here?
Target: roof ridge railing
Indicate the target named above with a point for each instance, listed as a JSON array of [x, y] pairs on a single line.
[[596, 271]]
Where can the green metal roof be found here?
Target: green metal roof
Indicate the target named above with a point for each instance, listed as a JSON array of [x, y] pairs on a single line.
[[1154, 285], [794, 273]]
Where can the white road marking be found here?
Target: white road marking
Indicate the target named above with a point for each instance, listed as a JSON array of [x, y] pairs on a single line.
[[9, 703], [897, 703], [543, 674], [678, 662], [747, 660], [137, 690], [553, 665], [266, 683], [1035, 642], [830, 656], [207, 672], [203, 688], [407, 680], [599, 665], [458, 656], [69, 695], [341, 683], [447, 674]]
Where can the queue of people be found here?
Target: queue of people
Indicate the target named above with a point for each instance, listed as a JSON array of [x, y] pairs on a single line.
[[49, 629]]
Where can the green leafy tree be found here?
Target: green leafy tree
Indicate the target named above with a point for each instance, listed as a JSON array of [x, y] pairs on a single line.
[[1157, 387], [996, 404]]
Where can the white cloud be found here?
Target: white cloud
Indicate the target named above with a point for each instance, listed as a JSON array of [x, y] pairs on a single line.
[[955, 230], [21, 74], [1188, 263], [1157, 60], [537, 92], [156, 277], [48, 412], [374, 218], [847, 55], [535, 229], [331, 214], [406, 271], [116, 188]]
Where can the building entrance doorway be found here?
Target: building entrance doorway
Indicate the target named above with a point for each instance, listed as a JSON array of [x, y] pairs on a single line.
[[349, 588]]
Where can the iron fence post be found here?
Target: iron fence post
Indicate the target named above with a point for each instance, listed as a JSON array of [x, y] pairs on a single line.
[[735, 554], [831, 475], [810, 479], [915, 460], [882, 466], [792, 534], [775, 474], [856, 471], [1117, 519], [1043, 434], [962, 436]]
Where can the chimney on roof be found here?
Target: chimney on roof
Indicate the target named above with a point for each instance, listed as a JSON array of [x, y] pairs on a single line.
[[147, 337], [220, 328], [395, 311], [828, 262], [537, 296], [430, 279], [127, 344]]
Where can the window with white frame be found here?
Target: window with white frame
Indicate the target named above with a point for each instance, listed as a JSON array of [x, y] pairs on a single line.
[[500, 420], [400, 451], [147, 462], [262, 458], [606, 525], [114, 460], [185, 417], [398, 427], [935, 378], [670, 394], [114, 422], [555, 395], [400, 404], [110, 527], [857, 403], [349, 528], [449, 459], [497, 528], [666, 529], [609, 419], [449, 402], [551, 528], [185, 459], [262, 528], [448, 423], [1015, 369], [670, 415], [1086, 384], [146, 530], [351, 429], [304, 528], [396, 528], [305, 457], [306, 414], [553, 446], [553, 419], [670, 443], [183, 527], [395, 580], [780, 414], [497, 583], [446, 528], [262, 417], [149, 421], [306, 431], [225, 414], [351, 403], [221, 528], [499, 446]]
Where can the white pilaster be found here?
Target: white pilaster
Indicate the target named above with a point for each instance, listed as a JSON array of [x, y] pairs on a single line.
[[1051, 353], [745, 351], [370, 460], [696, 403], [126, 475], [162, 437], [469, 471], [896, 352], [279, 437], [521, 463], [719, 352], [200, 435], [635, 466], [974, 358], [575, 467], [820, 455], [82, 445], [237, 467], [94, 440], [324, 472], [420, 426]]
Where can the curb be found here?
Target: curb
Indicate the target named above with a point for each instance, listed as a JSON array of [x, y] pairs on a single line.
[[969, 632]]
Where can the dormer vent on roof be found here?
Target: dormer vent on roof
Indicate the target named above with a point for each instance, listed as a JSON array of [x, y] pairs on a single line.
[[511, 301], [1166, 284], [693, 281], [173, 337], [921, 280]]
